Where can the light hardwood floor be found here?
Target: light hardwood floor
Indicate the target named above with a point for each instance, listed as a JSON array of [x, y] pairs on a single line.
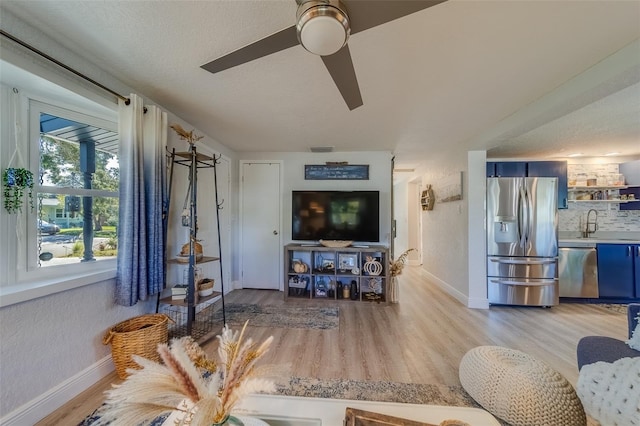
[[419, 340]]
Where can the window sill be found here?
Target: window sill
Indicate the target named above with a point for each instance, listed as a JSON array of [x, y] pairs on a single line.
[[22, 292]]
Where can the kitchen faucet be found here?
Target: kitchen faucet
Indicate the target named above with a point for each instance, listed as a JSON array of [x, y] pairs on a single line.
[[590, 227]]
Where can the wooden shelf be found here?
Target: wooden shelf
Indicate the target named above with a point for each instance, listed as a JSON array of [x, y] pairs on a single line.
[[319, 279], [181, 302], [595, 188], [204, 259], [602, 201]]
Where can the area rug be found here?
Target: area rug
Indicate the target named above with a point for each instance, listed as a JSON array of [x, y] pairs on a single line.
[[377, 391], [279, 316], [366, 391], [409, 393], [613, 307]]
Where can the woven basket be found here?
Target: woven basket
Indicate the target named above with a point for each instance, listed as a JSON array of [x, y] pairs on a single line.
[[136, 336]]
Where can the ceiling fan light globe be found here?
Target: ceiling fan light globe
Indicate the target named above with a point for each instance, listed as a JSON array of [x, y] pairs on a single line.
[[323, 36], [323, 29]]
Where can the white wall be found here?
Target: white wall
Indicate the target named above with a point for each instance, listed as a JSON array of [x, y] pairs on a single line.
[[51, 347], [293, 179], [445, 233], [453, 234], [401, 215]]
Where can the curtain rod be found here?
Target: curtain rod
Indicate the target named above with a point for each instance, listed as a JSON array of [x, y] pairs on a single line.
[[68, 68]]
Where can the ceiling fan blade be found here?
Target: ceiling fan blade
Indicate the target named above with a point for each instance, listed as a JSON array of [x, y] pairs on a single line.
[[341, 69], [365, 14], [271, 44]]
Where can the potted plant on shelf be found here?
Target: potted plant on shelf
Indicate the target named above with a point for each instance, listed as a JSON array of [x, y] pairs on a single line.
[[15, 181]]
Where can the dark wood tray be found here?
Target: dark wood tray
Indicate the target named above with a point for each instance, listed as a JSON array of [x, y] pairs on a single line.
[[355, 417]]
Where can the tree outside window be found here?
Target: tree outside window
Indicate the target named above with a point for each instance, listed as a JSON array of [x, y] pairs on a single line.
[[77, 195]]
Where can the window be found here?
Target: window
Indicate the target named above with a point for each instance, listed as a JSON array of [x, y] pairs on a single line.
[[76, 196]]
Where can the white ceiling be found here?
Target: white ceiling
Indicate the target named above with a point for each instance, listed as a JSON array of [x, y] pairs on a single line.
[[497, 75]]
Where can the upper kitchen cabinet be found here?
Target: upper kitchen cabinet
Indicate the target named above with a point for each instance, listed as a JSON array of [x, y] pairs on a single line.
[[507, 169], [557, 169], [631, 172]]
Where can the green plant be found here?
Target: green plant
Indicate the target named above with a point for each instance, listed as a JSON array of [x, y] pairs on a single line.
[[77, 249], [112, 243], [15, 181]]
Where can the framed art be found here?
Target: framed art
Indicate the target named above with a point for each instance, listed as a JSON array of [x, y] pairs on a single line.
[[347, 261], [336, 172], [450, 188]]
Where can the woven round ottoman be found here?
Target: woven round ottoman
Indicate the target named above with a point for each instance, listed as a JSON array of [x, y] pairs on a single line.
[[519, 388]]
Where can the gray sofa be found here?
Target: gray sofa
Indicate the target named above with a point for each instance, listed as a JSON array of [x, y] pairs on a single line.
[[601, 348]]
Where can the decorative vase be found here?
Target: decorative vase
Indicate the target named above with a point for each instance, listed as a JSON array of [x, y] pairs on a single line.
[[394, 290], [354, 290]]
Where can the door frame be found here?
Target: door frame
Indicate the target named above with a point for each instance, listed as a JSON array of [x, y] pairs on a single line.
[[241, 164]]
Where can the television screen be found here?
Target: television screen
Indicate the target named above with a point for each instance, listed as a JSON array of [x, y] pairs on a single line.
[[336, 215]]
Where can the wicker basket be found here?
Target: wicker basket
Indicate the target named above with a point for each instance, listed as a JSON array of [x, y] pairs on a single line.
[[136, 336]]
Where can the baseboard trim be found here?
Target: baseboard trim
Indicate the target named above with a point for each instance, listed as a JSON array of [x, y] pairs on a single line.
[[43, 405], [457, 294]]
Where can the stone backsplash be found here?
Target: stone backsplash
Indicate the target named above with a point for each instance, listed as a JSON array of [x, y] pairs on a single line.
[[610, 217]]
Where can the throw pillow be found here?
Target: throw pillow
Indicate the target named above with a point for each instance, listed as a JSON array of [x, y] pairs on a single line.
[[634, 342]]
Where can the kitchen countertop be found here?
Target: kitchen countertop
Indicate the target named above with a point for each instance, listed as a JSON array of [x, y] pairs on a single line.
[[573, 240]]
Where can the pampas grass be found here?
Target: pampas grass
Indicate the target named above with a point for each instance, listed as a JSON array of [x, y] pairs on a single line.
[[396, 267], [204, 390], [184, 135]]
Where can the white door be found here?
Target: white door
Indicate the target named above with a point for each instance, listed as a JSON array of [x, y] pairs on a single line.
[[260, 212]]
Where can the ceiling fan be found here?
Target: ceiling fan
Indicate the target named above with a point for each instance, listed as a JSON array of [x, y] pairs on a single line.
[[323, 28]]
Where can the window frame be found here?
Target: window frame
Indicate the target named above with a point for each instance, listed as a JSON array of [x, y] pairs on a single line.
[[28, 281]]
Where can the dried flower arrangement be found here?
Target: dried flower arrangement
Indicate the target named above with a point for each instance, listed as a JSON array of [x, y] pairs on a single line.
[[204, 390], [396, 266], [184, 135], [15, 181]]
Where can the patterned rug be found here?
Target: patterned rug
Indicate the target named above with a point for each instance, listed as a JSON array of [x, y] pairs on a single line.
[[377, 391], [323, 318], [613, 307], [366, 391]]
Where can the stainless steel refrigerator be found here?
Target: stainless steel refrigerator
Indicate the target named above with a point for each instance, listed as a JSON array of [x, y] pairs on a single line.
[[522, 241]]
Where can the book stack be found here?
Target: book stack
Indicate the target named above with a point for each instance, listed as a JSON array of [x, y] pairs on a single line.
[[179, 291]]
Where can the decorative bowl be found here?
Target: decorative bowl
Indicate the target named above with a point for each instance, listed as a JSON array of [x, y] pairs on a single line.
[[335, 243]]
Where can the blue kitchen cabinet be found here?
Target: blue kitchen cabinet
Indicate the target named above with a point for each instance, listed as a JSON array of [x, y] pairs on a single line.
[[552, 169], [557, 169], [491, 169], [618, 270], [511, 169], [506, 169], [631, 205]]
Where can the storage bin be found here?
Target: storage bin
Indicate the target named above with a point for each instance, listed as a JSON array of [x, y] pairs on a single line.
[[136, 336]]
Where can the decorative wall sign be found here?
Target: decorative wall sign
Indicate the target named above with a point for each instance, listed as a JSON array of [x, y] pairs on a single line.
[[336, 171], [449, 188]]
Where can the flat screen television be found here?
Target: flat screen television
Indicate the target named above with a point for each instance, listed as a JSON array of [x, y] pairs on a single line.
[[336, 215]]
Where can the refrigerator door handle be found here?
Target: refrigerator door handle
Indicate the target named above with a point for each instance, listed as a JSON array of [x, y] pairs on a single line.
[[529, 209], [525, 261], [524, 283], [523, 217]]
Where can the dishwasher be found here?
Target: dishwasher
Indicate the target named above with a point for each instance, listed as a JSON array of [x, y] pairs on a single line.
[[578, 272]]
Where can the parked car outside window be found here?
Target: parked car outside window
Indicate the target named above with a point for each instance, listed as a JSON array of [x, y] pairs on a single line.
[[48, 228]]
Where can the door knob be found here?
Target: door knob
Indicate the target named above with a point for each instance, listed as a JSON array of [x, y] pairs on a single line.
[[275, 232]]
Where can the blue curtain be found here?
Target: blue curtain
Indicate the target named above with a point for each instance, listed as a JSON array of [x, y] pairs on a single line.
[[141, 239]]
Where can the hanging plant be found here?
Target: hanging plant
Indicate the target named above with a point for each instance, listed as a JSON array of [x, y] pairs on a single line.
[[15, 181]]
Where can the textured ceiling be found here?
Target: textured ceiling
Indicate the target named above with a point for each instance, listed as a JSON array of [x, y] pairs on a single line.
[[434, 84]]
